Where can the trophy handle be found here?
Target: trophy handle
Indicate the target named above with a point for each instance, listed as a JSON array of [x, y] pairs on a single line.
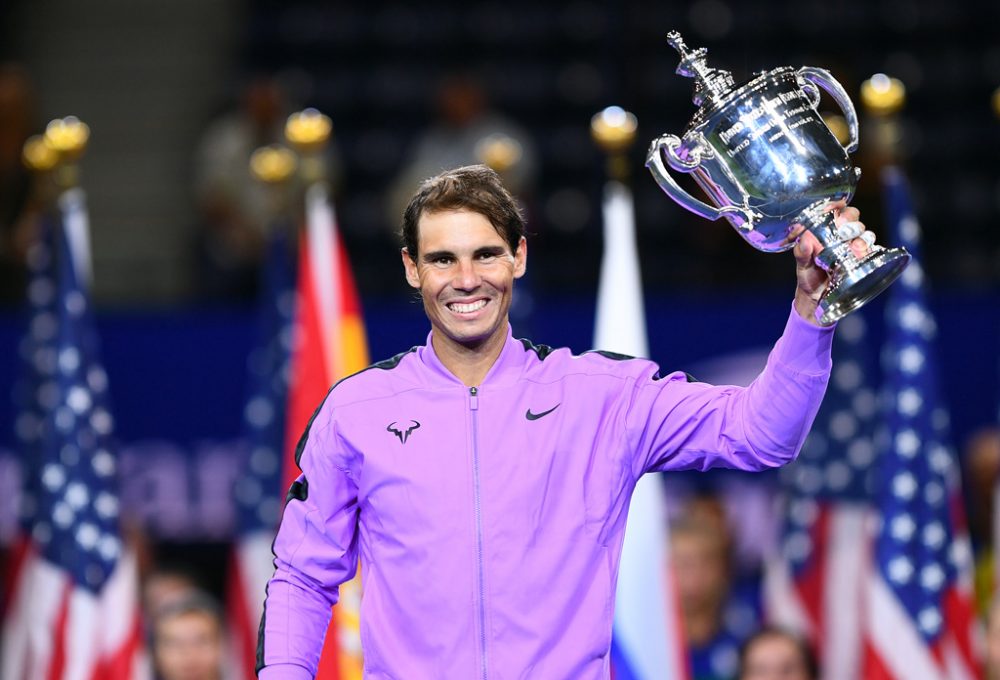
[[654, 161], [825, 80]]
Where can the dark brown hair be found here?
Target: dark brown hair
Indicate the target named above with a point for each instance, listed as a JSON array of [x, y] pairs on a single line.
[[476, 188], [804, 649]]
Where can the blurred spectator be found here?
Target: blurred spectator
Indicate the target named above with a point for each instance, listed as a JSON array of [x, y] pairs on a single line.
[[993, 640], [776, 654], [165, 586], [233, 205], [18, 212], [188, 639], [716, 617], [982, 468], [461, 135]]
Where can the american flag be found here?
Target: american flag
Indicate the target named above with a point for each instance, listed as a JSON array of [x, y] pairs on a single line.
[[258, 491], [814, 586], [919, 620], [74, 611]]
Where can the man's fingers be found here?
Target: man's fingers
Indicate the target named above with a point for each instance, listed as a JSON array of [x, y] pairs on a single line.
[[849, 230], [862, 245], [848, 214], [806, 248]]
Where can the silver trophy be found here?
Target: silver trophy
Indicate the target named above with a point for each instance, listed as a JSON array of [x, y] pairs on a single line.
[[769, 163]]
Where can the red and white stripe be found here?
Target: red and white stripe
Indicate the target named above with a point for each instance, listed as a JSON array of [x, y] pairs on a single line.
[[55, 630], [250, 569], [826, 601]]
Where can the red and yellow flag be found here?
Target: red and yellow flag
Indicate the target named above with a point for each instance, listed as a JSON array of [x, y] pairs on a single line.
[[329, 344]]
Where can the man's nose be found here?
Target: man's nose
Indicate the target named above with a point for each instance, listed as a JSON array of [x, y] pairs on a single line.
[[466, 276]]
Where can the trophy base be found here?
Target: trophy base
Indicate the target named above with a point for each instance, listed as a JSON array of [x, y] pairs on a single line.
[[852, 287]]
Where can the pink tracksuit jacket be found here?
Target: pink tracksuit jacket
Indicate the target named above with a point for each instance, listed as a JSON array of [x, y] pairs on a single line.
[[489, 520]]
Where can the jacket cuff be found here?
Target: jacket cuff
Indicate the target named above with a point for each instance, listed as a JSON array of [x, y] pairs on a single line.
[[805, 348], [284, 671]]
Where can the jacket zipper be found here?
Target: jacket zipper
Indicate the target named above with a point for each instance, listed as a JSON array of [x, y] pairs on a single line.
[[473, 407]]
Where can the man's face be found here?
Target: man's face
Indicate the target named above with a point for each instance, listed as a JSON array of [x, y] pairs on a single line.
[[700, 571], [774, 657], [465, 273], [188, 647]]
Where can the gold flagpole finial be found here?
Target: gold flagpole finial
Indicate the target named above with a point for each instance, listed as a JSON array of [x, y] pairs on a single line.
[[68, 137], [308, 131], [38, 156], [614, 131], [882, 95], [272, 164], [499, 151]]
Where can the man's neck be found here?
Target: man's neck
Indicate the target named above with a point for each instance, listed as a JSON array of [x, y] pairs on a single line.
[[470, 364]]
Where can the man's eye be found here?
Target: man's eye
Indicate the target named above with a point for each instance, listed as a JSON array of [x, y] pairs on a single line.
[[486, 257]]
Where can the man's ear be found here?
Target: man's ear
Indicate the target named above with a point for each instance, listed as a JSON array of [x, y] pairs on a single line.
[[521, 258], [410, 268]]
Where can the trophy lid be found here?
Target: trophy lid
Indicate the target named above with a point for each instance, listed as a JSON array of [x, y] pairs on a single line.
[[711, 84]]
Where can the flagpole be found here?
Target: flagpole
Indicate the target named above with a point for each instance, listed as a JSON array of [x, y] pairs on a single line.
[[647, 641], [250, 564], [330, 345]]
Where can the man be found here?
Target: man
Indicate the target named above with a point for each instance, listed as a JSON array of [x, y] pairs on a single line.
[[187, 639], [775, 654], [484, 481]]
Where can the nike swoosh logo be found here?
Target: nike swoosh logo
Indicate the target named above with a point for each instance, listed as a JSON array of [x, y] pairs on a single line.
[[535, 416]]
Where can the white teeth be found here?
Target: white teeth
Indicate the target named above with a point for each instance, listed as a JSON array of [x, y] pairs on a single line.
[[471, 307]]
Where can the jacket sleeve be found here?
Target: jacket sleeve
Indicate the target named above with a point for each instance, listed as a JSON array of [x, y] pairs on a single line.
[[674, 423], [316, 550]]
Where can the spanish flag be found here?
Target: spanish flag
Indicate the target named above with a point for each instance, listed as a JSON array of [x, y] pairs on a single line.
[[328, 344]]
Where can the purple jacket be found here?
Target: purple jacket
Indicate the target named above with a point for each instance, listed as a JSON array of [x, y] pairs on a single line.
[[489, 521]]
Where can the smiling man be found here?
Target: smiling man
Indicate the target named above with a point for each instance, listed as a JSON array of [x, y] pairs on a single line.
[[484, 481]]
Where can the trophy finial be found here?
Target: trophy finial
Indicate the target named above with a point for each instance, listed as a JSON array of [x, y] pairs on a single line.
[[709, 83]]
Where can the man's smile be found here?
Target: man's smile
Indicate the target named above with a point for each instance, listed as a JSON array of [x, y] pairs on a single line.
[[467, 307]]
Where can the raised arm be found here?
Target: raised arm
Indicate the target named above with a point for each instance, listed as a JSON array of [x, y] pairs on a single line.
[[675, 423]]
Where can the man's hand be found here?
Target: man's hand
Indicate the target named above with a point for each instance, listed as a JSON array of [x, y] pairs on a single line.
[[812, 279]]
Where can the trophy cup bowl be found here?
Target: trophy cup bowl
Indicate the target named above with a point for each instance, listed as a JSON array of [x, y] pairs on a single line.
[[768, 164]]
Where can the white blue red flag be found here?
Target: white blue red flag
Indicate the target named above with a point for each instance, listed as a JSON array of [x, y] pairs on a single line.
[[74, 610], [815, 584], [258, 491], [648, 641], [920, 618]]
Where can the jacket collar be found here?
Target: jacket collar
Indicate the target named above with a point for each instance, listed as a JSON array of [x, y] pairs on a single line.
[[506, 370]]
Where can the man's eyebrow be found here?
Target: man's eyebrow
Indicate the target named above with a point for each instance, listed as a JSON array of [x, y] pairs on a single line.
[[491, 250], [436, 254]]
